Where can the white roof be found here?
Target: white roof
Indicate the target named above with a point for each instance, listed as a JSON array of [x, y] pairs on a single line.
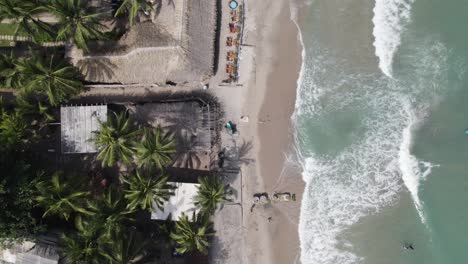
[[180, 202], [77, 126]]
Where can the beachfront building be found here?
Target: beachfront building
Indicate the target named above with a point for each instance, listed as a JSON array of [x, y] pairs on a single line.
[[192, 125], [180, 202], [176, 44], [77, 126]]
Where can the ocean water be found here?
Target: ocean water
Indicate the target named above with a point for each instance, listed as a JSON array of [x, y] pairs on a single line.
[[380, 117]]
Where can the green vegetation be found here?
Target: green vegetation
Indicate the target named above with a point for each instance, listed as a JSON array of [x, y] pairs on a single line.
[[155, 149], [21, 14], [147, 191], [60, 196], [211, 193], [191, 236], [115, 140], [51, 76], [78, 21], [100, 210], [131, 8]]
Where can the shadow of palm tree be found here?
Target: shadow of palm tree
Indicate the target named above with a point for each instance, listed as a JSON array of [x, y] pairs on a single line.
[[96, 69], [187, 120], [243, 152], [186, 157], [171, 2]]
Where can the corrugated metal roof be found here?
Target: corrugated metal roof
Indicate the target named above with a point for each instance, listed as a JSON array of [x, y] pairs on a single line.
[[180, 202], [77, 126]]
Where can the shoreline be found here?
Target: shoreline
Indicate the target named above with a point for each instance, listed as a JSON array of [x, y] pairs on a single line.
[[262, 105], [279, 62]]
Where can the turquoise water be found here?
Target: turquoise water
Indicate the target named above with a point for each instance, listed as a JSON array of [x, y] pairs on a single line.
[[380, 121]]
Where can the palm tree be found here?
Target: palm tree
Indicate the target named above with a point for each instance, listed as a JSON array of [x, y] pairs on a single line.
[[78, 21], [9, 76], [57, 79], [128, 247], [131, 7], [115, 140], [20, 13], [146, 191], [13, 129], [191, 236], [110, 211], [80, 249], [39, 111], [155, 149], [60, 196], [211, 192]]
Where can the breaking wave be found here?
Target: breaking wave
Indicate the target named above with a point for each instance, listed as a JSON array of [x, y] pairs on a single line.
[[390, 20], [368, 174]]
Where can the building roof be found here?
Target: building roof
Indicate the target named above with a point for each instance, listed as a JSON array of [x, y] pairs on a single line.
[[191, 124], [29, 253], [180, 202], [178, 45], [77, 126]]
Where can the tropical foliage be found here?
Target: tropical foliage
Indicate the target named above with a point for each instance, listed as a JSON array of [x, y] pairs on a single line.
[[9, 76], [21, 13], [115, 140], [191, 236], [14, 131], [51, 76], [17, 189], [131, 8], [128, 247], [147, 191], [211, 192], [110, 212], [78, 21], [61, 196], [78, 248], [155, 149]]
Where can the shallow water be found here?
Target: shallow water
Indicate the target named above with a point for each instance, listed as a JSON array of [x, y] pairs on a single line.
[[379, 121]]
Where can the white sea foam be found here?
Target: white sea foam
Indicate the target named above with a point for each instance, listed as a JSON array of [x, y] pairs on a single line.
[[413, 171], [370, 173], [390, 20]]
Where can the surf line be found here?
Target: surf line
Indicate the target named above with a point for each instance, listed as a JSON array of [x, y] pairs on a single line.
[[412, 174], [390, 20]]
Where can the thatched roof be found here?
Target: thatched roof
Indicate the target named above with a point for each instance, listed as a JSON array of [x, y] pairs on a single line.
[[176, 45]]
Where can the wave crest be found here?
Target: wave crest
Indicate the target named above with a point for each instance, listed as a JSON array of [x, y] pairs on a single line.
[[390, 19]]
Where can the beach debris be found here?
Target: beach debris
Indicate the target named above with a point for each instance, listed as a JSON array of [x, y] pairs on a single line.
[[261, 198], [231, 126], [244, 119], [284, 197], [264, 198]]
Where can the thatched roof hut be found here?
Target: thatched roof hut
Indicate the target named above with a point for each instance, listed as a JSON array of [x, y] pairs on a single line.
[[177, 44]]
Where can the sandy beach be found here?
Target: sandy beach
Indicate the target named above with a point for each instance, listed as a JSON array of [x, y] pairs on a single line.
[[272, 230], [277, 72]]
